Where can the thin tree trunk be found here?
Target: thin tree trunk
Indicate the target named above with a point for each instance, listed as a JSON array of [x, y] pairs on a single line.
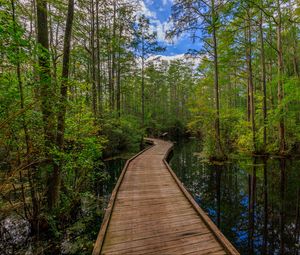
[[264, 82], [20, 83], [250, 77], [99, 85], [295, 44], [143, 89], [93, 64], [119, 75], [47, 97], [34, 200], [53, 48], [110, 80], [219, 149], [113, 58], [62, 104], [280, 94]]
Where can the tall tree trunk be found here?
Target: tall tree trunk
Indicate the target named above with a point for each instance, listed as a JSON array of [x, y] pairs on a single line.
[[53, 47], [34, 199], [20, 83], [250, 77], [263, 79], [280, 92], [295, 43], [45, 73], [110, 80], [143, 84], [99, 85], [113, 57], [46, 90], [93, 60], [62, 104], [109, 64], [219, 149], [119, 74]]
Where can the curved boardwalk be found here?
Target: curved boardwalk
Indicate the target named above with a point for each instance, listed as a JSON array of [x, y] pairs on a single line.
[[150, 212]]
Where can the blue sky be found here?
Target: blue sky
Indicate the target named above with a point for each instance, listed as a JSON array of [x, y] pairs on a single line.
[[158, 11]]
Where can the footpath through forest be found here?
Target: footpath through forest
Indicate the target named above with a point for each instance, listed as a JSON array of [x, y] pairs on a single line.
[[150, 212]]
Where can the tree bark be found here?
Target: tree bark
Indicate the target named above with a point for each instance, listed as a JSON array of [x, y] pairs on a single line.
[[99, 85], [119, 74], [46, 90], [45, 73], [56, 182], [280, 91], [113, 57], [34, 200], [263, 78], [93, 60], [219, 149], [250, 77], [143, 84]]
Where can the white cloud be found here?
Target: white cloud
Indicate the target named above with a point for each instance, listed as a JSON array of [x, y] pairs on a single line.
[[161, 28], [144, 10], [193, 61], [185, 57], [157, 60], [166, 58]]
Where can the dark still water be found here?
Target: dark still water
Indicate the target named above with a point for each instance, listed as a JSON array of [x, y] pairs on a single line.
[[254, 202], [78, 234]]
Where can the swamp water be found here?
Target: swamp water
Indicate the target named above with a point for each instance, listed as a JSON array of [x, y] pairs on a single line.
[[254, 202], [78, 238]]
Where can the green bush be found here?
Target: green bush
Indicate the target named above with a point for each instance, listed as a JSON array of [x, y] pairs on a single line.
[[123, 134]]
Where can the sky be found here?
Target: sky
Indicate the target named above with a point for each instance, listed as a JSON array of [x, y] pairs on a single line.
[[159, 11]]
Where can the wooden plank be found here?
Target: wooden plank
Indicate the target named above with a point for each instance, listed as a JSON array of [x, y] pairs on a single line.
[[150, 212], [162, 219], [102, 232], [172, 248], [152, 232], [218, 234], [150, 225], [166, 247], [145, 206], [154, 242]]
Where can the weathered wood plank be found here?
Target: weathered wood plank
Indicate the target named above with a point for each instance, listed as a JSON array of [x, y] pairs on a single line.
[[150, 212]]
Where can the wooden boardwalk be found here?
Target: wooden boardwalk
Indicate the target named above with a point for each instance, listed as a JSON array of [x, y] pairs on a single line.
[[150, 212]]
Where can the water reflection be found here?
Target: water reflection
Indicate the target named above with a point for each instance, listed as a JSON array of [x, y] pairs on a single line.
[[113, 168], [255, 202]]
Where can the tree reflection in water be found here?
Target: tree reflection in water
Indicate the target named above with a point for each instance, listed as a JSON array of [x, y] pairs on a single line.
[[254, 201]]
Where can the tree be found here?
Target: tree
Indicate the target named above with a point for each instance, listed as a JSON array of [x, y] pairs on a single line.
[[263, 76], [145, 43], [280, 92], [47, 91], [250, 88], [62, 104], [204, 16]]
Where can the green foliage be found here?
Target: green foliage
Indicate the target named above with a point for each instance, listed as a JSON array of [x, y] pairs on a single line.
[[105, 72], [244, 136], [236, 130], [123, 134]]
